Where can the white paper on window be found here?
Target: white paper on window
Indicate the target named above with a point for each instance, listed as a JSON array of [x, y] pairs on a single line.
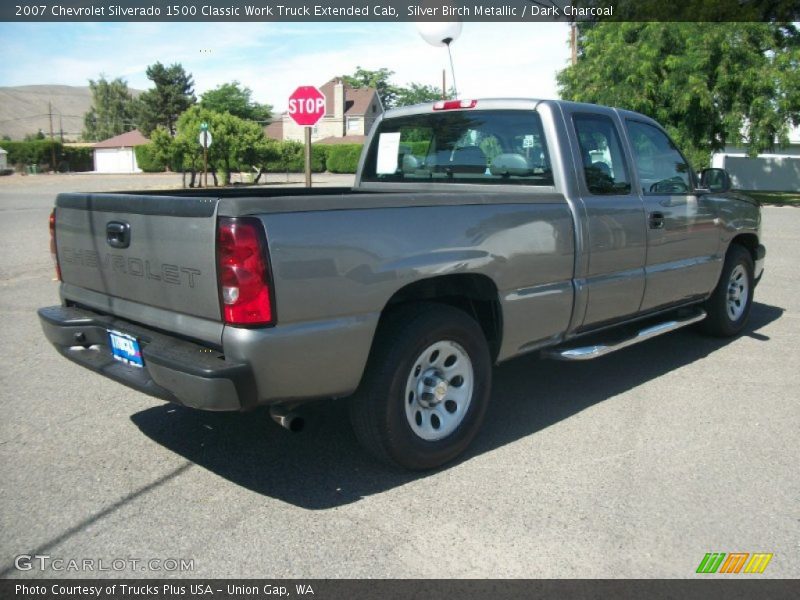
[[388, 150]]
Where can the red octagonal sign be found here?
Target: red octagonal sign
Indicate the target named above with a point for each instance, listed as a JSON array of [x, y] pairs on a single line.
[[307, 105]]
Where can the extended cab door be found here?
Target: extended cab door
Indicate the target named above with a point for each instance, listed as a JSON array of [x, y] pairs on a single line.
[[611, 280], [682, 234]]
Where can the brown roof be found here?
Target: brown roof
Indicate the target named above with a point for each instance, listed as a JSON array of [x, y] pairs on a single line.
[[361, 99], [124, 140], [356, 100], [275, 129], [348, 139]]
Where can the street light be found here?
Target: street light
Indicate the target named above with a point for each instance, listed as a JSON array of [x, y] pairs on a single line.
[[442, 34]]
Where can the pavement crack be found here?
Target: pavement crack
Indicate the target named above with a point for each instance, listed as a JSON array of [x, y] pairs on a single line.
[[102, 514]]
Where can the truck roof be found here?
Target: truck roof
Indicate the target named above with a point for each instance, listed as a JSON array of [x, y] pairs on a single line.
[[510, 104]]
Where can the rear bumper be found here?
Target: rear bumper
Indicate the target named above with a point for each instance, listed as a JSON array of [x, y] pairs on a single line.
[[758, 271], [174, 369]]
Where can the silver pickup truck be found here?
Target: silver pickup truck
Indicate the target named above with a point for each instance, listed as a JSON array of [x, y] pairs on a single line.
[[477, 231]]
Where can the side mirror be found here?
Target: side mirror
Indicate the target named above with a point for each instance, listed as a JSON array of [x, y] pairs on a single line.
[[715, 180]]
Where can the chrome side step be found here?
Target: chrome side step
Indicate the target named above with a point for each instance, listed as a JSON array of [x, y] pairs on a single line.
[[598, 350]]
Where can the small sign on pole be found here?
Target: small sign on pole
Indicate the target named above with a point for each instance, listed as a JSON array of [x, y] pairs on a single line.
[[307, 107]]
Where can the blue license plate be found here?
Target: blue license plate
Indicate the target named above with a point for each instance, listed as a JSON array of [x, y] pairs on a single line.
[[125, 348]]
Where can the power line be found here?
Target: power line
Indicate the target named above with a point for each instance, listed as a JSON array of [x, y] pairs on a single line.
[[40, 116]]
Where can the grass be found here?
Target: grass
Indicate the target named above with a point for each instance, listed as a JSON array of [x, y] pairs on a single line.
[[776, 198]]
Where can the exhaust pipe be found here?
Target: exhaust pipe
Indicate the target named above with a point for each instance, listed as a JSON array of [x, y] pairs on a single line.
[[287, 419]]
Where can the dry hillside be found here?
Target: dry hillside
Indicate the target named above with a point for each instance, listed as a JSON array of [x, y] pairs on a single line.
[[24, 110]]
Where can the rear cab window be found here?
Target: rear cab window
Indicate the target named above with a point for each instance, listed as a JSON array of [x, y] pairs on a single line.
[[604, 166], [477, 146]]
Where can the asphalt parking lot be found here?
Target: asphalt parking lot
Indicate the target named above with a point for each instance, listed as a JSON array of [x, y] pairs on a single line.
[[633, 465]]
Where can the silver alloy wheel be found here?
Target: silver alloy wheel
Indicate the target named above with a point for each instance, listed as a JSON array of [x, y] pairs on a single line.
[[738, 292], [439, 390]]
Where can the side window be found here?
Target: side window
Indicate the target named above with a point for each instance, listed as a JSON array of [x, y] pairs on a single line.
[[661, 168], [601, 152]]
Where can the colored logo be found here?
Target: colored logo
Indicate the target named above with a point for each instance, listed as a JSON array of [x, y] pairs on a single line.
[[734, 562]]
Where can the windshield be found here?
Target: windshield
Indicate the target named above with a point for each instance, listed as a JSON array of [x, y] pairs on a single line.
[[492, 146]]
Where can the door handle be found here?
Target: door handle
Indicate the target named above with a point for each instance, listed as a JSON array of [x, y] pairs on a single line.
[[656, 220]]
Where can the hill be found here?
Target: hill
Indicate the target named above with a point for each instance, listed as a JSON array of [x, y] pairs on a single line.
[[24, 109]]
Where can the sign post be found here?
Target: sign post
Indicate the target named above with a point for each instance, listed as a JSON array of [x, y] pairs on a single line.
[[205, 142], [307, 107], [308, 156]]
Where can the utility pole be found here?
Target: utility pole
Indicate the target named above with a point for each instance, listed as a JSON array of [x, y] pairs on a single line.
[[444, 84], [573, 42], [52, 141]]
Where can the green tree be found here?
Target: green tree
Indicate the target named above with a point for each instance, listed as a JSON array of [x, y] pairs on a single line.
[[237, 144], [392, 95], [172, 95], [417, 93], [32, 137], [237, 100], [709, 84], [112, 109], [375, 79], [165, 150]]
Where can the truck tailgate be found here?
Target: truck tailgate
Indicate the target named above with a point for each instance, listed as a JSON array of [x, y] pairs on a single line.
[[155, 250]]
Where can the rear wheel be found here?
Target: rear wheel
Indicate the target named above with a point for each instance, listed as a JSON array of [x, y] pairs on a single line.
[[426, 389], [729, 305]]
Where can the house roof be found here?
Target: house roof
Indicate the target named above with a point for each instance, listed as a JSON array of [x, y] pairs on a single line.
[[356, 100], [348, 139], [275, 129], [124, 140]]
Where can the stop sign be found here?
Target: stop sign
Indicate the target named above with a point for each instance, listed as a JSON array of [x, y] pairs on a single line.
[[306, 105]]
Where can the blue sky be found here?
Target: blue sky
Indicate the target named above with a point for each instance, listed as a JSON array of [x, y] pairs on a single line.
[[491, 59]]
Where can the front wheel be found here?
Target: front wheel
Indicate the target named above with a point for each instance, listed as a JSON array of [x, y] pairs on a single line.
[[426, 389], [729, 305]]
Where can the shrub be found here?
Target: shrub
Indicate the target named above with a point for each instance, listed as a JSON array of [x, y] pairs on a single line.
[[289, 157], [149, 159], [40, 152], [37, 152], [343, 158], [77, 158], [319, 157]]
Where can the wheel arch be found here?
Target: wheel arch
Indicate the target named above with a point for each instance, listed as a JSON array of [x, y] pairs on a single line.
[[472, 293], [747, 240]]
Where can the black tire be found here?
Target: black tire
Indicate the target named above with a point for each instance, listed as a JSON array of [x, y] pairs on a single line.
[[378, 409], [720, 322]]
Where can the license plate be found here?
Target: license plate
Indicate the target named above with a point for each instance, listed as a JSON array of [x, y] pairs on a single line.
[[125, 348]]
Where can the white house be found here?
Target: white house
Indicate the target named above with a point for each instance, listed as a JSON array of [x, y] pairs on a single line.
[[3, 159], [116, 155], [778, 171]]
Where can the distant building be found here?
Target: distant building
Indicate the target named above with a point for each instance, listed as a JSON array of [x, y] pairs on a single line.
[[778, 171], [3, 159], [349, 115], [116, 154]]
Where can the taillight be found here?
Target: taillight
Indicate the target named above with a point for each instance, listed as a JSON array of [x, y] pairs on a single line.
[[243, 273], [454, 104], [53, 252]]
